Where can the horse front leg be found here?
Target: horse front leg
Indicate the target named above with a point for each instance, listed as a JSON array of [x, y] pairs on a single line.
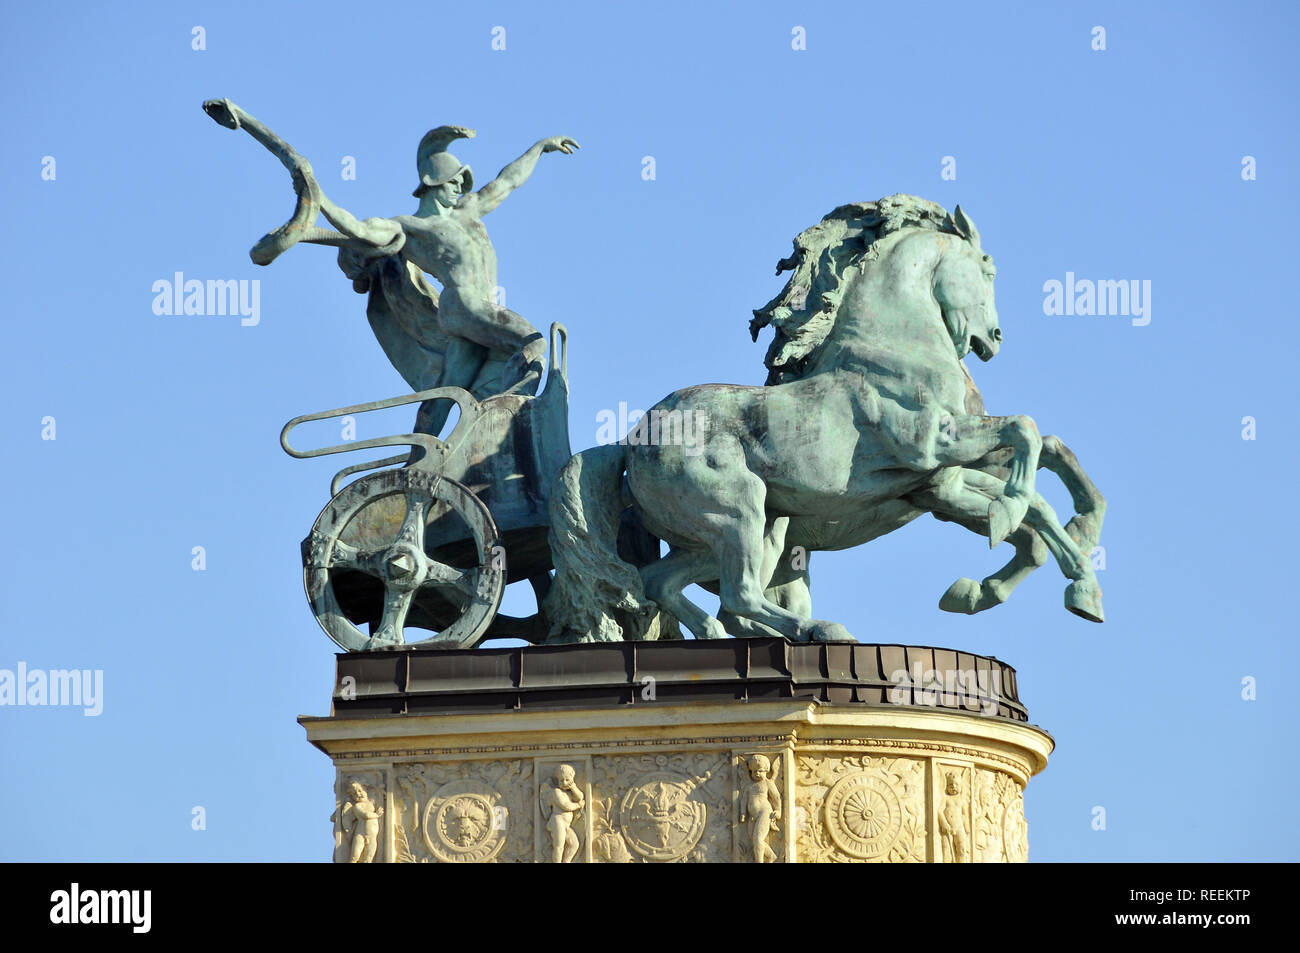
[[967, 505], [1083, 595], [665, 578], [969, 597], [1089, 505], [963, 440], [963, 495]]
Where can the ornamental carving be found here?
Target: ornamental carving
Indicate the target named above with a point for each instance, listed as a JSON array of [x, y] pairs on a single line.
[[1001, 834], [462, 823], [563, 824], [463, 812], [759, 805], [764, 804], [954, 812], [660, 819], [662, 809], [861, 809], [610, 847], [358, 818]]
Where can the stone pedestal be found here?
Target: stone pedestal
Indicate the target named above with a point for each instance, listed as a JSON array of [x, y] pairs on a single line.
[[730, 751]]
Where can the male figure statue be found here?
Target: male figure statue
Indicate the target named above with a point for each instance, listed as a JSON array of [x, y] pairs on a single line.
[[460, 338], [952, 823]]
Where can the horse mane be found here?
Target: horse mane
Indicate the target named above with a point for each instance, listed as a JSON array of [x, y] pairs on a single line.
[[803, 314]]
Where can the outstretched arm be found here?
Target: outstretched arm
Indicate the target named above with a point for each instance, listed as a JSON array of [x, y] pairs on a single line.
[[376, 232], [373, 238], [517, 172], [372, 235]]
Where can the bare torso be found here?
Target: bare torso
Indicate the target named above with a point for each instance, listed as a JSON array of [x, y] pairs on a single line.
[[455, 250]]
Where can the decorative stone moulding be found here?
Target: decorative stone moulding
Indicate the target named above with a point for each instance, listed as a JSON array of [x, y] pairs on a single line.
[[740, 751]]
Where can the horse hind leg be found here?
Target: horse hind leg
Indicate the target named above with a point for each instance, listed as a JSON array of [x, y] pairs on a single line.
[[742, 584], [785, 588], [793, 596], [664, 579]]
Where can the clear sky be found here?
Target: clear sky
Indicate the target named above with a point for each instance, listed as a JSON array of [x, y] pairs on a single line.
[[1122, 163]]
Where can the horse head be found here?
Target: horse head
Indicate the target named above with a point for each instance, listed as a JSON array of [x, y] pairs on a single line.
[[963, 287]]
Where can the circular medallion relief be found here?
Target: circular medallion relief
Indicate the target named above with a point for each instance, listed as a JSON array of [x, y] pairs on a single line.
[[863, 815], [458, 823], [658, 818]]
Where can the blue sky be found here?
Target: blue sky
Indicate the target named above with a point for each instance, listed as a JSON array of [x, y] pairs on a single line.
[[1122, 163]]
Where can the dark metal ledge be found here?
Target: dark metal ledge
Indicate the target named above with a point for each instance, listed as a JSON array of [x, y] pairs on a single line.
[[609, 674]]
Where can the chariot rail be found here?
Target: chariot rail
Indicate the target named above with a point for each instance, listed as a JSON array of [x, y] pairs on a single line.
[[432, 446]]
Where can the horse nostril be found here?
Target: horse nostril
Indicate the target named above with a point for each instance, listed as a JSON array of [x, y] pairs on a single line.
[[997, 334]]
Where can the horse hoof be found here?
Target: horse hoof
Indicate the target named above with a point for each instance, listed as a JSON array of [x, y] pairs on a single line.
[[1083, 598], [1004, 517], [829, 632], [713, 629], [962, 596]]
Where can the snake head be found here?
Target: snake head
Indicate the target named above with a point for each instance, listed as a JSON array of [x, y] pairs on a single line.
[[222, 111]]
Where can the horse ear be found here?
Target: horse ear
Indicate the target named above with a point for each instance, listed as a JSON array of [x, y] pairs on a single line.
[[965, 227]]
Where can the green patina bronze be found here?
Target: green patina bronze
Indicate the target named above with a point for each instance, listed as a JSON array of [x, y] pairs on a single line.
[[459, 338], [868, 420]]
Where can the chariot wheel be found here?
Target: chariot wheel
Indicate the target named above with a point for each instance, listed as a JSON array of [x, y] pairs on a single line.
[[403, 566]]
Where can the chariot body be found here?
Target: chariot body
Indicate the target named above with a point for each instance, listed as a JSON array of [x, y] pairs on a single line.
[[432, 538]]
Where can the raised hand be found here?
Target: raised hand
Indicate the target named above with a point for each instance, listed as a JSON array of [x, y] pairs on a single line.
[[560, 144]]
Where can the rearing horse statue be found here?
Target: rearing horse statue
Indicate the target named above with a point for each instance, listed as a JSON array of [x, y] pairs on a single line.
[[869, 419]]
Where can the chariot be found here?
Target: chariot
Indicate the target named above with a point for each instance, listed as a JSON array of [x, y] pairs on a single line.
[[432, 539]]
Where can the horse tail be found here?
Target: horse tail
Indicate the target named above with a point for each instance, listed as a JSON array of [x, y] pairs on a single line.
[[597, 596]]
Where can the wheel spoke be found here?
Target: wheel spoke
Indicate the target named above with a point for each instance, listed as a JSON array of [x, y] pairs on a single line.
[[396, 604], [441, 576], [417, 508], [369, 561]]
